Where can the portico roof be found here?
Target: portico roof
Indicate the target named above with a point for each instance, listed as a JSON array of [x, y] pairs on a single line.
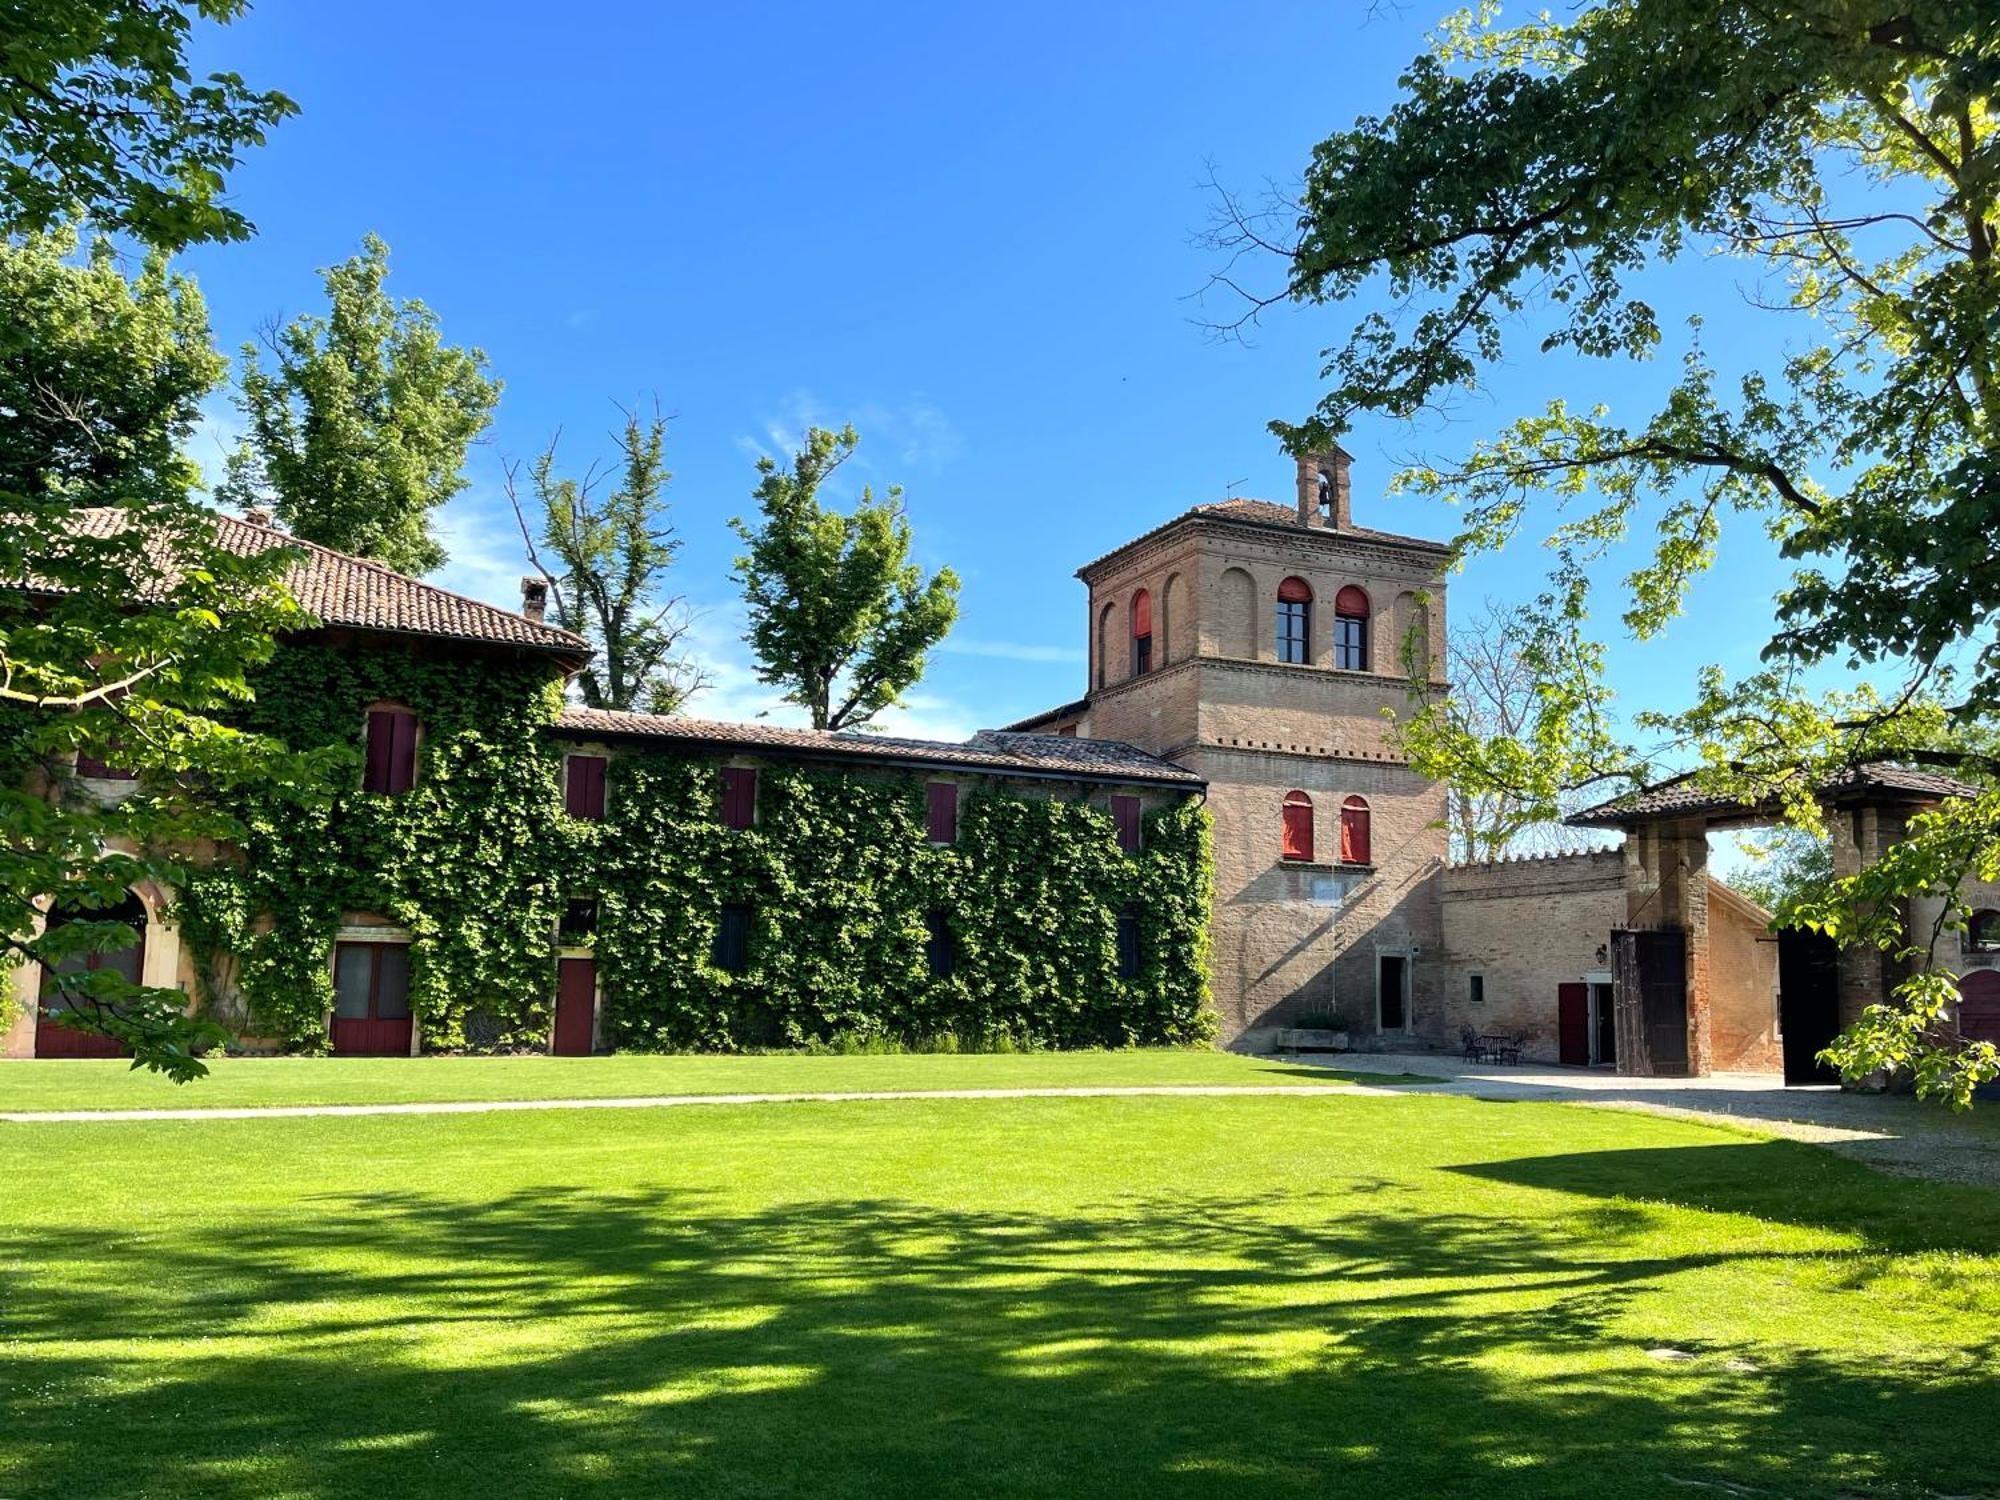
[[1681, 798]]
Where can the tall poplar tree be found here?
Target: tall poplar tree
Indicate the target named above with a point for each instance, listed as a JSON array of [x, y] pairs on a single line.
[[839, 615], [359, 429]]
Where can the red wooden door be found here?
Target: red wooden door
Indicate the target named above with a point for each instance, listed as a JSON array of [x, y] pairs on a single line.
[[576, 1006], [1979, 1006], [52, 1038], [371, 1000], [1573, 1024]]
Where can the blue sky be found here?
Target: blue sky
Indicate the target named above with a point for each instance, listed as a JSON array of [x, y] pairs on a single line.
[[969, 231]]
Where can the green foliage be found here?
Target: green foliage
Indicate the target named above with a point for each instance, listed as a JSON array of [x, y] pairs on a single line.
[[838, 614], [477, 862], [611, 556], [360, 430], [100, 115], [1524, 182], [142, 630], [1791, 865]]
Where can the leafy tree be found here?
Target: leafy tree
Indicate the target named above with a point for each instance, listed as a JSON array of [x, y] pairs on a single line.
[[361, 428], [1845, 150], [838, 614], [100, 114], [1791, 866], [612, 555], [136, 627], [1491, 665]]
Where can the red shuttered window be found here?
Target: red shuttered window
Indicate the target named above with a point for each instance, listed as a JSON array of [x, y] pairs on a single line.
[[1350, 630], [739, 797], [1142, 633], [942, 797], [392, 751], [583, 786], [1354, 832], [1125, 813], [1296, 838]]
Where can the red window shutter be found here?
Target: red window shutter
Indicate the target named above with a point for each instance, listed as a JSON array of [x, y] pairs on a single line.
[[1295, 591], [381, 747], [943, 799], [1142, 614], [739, 797], [1297, 839], [583, 796], [1354, 832], [1125, 813], [1352, 602], [402, 752]]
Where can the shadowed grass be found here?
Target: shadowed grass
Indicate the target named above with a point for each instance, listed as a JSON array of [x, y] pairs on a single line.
[[1074, 1297]]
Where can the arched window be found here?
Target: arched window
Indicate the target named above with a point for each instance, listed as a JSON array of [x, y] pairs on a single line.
[[1354, 848], [1982, 933], [1295, 620], [1104, 617], [1350, 630], [1142, 633], [1296, 837]]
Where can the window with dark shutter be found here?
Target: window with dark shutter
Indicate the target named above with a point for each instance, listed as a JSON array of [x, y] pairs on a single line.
[[391, 764], [1128, 945], [1125, 813], [937, 944], [1476, 989], [1354, 839], [583, 787], [739, 797], [1350, 630], [732, 939], [1296, 827], [579, 922], [1294, 634], [942, 797], [1142, 633]]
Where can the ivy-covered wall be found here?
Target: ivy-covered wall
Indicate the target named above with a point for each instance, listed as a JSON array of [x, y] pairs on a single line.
[[478, 861]]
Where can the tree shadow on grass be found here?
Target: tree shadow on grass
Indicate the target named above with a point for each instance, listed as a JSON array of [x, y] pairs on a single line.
[[552, 1343]]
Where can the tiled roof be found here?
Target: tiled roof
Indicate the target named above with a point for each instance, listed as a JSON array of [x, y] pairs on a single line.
[[1060, 711], [354, 592], [1680, 797], [1054, 755], [1269, 513]]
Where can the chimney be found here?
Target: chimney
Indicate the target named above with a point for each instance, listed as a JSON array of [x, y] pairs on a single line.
[[534, 598], [257, 516], [1323, 489]]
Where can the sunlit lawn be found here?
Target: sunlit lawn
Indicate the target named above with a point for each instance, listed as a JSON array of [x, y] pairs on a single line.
[[240, 1082], [1336, 1294]]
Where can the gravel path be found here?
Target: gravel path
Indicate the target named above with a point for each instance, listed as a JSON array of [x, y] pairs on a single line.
[[1894, 1132]]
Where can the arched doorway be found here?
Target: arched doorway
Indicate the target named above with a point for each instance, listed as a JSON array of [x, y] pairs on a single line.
[[1979, 1006], [53, 1038]]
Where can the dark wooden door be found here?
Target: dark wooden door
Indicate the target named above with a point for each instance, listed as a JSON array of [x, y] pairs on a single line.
[[1808, 1002], [1394, 993], [52, 1037], [371, 1000], [1663, 999], [576, 1006], [1573, 1025], [1979, 1006]]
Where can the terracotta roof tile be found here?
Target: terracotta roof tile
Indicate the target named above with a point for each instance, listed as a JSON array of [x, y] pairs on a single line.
[[1682, 797], [990, 750], [364, 595]]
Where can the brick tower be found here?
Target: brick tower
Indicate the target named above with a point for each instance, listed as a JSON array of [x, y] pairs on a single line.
[[1258, 644]]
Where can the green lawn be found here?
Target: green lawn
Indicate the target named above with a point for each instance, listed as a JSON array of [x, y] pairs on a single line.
[[1329, 1295], [251, 1081]]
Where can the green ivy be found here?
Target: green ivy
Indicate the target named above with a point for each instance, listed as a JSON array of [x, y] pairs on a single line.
[[477, 861]]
